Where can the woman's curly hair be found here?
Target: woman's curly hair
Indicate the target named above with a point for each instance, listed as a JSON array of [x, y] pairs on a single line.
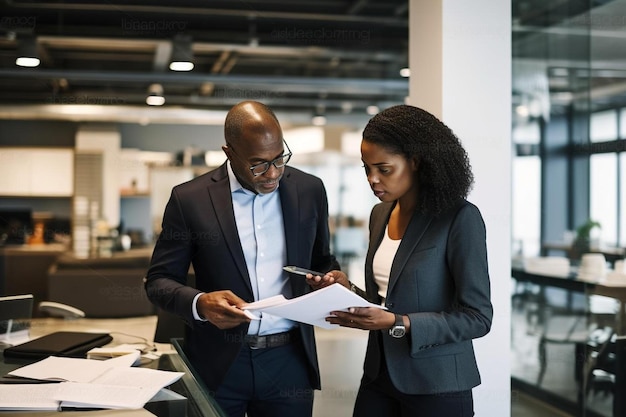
[[444, 172]]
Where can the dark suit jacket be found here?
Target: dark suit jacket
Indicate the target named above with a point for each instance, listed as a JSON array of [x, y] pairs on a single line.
[[199, 228], [439, 278]]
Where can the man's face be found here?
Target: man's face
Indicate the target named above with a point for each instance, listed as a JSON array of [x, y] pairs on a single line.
[[256, 148]]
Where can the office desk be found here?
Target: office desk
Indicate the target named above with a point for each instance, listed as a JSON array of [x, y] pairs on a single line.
[[522, 376], [172, 358], [571, 283], [610, 253]]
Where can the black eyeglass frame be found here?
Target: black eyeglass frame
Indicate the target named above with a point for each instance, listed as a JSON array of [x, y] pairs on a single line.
[[286, 157]]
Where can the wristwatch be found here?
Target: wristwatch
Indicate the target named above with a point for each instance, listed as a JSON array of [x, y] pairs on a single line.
[[398, 330]]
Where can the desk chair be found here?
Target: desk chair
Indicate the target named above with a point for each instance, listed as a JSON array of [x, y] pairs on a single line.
[[578, 326], [598, 372], [561, 330]]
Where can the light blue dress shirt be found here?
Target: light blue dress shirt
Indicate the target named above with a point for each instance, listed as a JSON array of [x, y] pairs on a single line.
[[259, 219]]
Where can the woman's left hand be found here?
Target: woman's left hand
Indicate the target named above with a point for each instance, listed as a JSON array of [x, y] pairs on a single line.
[[366, 318]]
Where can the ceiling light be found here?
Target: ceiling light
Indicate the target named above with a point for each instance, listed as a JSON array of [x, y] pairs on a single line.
[[155, 95], [346, 107], [318, 121], [405, 72], [27, 55], [372, 110], [182, 54]]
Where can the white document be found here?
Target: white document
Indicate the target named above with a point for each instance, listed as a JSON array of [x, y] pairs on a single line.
[[55, 368], [28, 397], [118, 387], [312, 308], [123, 353], [81, 395], [87, 383]]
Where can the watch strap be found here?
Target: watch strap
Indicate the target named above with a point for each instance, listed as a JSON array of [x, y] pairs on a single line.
[[399, 321]]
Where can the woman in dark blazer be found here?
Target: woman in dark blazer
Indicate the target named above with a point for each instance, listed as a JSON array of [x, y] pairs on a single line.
[[426, 263]]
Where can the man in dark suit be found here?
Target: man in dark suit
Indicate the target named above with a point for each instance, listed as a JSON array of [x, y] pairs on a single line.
[[237, 226]]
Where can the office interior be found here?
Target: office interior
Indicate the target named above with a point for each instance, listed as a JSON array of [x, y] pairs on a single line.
[[87, 164]]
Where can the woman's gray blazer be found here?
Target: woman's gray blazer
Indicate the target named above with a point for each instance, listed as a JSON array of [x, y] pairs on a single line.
[[440, 279]]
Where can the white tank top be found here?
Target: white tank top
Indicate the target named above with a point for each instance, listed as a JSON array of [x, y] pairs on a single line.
[[383, 258]]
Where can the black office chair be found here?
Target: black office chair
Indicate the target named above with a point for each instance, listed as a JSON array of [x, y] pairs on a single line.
[[597, 375]]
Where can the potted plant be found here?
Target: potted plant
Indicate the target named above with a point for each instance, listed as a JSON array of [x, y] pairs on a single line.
[[582, 243]]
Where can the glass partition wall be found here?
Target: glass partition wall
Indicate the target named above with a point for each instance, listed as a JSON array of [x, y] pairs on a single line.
[[569, 186]]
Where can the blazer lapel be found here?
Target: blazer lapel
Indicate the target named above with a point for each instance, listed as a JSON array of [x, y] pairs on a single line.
[[221, 199], [412, 236], [289, 203]]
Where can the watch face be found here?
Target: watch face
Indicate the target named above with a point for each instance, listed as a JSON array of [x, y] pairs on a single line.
[[397, 331]]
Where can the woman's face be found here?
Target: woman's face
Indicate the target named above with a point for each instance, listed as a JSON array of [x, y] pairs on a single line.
[[391, 176]]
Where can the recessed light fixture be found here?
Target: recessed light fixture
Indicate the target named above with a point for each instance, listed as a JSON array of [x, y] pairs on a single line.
[[372, 110], [318, 121], [182, 54], [27, 55], [155, 95]]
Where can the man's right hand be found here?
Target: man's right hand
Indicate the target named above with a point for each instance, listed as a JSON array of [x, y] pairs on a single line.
[[222, 308]]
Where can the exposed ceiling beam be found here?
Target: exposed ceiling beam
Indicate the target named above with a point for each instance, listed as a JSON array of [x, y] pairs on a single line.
[[345, 85], [207, 11]]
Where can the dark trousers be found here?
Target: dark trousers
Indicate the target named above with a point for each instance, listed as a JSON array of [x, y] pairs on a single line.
[[271, 382], [379, 398]]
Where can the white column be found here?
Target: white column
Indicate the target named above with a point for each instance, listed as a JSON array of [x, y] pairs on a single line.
[[108, 141], [460, 61]]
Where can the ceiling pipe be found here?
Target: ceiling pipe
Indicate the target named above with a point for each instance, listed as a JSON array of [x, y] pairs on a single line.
[[204, 11], [345, 85]]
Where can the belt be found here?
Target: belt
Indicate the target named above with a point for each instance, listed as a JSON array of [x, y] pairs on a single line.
[[270, 340]]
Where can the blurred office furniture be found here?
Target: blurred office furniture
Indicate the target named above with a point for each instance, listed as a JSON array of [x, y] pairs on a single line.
[[349, 243], [597, 375], [53, 309], [15, 314], [24, 270], [575, 356], [619, 408], [611, 254], [196, 400], [101, 287]]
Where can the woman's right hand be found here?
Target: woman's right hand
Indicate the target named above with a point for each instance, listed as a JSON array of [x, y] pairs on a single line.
[[316, 282]]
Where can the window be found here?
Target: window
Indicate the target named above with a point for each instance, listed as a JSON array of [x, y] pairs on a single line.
[[603, 196]]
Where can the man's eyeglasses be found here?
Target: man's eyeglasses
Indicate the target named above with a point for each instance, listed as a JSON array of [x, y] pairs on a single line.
[[260, 169]]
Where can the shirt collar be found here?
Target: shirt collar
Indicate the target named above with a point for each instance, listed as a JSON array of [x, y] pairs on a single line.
[[235, 185]]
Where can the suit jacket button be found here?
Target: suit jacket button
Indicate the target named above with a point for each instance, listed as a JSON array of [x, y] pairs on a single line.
[[390, 305]]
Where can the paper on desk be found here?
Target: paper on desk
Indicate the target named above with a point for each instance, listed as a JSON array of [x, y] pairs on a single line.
[[314, 307], [118, 387], [124, 354], [28, 397], [113, 386], [81, 395], [55, 368]]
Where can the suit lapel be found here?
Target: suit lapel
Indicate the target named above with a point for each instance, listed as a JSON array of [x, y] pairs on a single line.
[[289, 203], [412, 236], [219, 191]]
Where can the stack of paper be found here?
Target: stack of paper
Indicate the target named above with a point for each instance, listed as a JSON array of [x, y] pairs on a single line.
[[114, 351], [311, 308], [85, 383]]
